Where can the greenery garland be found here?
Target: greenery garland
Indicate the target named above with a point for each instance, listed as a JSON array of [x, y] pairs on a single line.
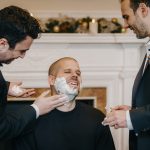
[[81, 25]]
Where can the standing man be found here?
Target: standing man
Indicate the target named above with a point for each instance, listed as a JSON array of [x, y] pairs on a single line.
[[136, 14], [17, 31], [73, 126]]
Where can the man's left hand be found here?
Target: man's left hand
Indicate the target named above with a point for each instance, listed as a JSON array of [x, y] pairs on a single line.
[[116, 119], [16, 90]]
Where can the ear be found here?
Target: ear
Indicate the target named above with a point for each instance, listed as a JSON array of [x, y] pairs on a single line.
[[51, 79], [4, 46], [143, 9]]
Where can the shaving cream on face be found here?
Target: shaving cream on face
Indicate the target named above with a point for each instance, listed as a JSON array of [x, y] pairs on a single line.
[[17, 89], [62, 87]]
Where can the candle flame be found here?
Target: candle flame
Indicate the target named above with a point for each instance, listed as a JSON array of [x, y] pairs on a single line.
[[31, 14], [93, 20]]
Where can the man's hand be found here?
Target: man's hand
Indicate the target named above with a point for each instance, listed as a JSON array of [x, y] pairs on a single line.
[[117, 117], [16, 90], [45, 104]]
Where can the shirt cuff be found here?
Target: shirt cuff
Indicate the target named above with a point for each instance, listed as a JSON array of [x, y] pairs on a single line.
[[36, 110], [129, 123]]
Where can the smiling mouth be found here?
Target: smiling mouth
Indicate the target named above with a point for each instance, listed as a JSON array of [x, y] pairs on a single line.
[[73, 84]]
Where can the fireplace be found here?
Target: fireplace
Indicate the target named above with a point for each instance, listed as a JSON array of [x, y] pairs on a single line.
[[108, 62]]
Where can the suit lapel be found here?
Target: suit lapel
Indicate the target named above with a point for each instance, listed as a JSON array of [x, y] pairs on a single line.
[[137, 82]]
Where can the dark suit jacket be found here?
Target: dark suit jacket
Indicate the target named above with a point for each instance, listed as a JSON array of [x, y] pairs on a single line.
[[140, 114], [11, 125]]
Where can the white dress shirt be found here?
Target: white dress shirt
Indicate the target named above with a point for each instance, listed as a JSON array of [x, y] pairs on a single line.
[[36, 110]]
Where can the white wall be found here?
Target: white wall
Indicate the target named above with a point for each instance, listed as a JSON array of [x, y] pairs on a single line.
[[63, 5]]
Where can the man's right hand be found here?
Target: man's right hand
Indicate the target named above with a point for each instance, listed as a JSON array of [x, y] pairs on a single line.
[[117, 117], [47, 103]]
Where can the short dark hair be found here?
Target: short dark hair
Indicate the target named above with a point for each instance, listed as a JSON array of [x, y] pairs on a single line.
[[16, 24], [134, 4]]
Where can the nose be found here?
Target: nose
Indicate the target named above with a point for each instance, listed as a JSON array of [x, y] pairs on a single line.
[[126, 26], [74, 74], [22, 55]]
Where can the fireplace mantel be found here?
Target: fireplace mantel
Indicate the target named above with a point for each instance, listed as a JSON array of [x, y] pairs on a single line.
[[88, 38], [106, 60]]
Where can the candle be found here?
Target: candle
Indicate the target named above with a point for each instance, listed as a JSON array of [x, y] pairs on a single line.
[[93, 27]]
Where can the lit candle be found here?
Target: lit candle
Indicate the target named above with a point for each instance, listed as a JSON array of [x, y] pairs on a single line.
[[93, 27], [31, 14]]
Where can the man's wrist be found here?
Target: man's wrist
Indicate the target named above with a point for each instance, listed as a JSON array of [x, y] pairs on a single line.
[[36, 110]]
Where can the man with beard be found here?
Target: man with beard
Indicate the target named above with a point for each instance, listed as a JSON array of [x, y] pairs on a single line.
[[72, 126], [17, 31], [136, 14]]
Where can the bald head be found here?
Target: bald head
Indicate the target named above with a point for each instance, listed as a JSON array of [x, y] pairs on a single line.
[[57, 64], [67, 69]]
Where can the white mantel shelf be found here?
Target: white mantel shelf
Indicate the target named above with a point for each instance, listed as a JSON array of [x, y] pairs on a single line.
[[89, 38]]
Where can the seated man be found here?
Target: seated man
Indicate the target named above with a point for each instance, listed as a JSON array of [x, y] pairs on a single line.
[[72, 126]]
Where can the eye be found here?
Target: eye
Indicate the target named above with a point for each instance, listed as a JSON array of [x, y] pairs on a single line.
[[126, 17], [78, 73]]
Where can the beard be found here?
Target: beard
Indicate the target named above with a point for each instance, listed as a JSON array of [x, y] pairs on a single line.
[[62, 87], [6, 61], [140, 31], [140, 28], [141, 35]]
